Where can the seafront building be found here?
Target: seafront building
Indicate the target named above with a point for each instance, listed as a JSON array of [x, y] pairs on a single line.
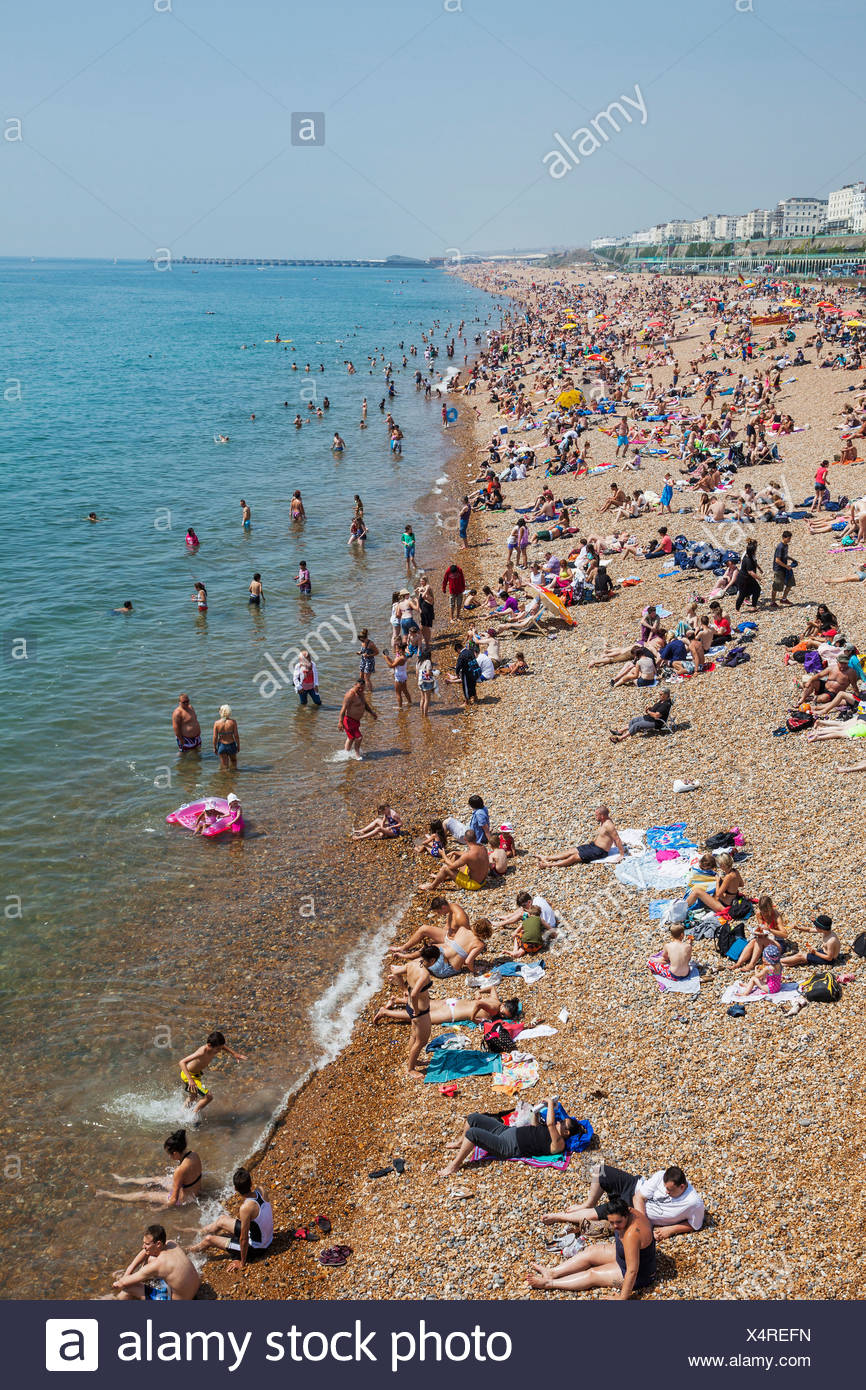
[[842, 213]]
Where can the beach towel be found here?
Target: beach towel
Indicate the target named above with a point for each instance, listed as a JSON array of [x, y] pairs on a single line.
[[633, 838], [669, 837], [451, 1065], [643, 871], [557, 1162], [731, 996], [690, 985], [519, 1072]]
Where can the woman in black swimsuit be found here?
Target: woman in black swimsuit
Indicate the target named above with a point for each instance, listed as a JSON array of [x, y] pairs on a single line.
[[426, 611], [178, 1189]]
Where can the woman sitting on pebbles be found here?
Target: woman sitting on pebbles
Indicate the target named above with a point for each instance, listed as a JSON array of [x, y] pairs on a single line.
[[729, 883], [768, 929], [626, 1263], [459, 943], [534, 1140]]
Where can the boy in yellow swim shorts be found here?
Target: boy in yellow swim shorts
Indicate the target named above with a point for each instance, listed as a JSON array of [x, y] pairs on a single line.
[[191, 1068]]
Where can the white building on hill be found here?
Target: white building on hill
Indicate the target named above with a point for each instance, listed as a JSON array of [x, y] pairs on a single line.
[[800, 217], [846, 207]]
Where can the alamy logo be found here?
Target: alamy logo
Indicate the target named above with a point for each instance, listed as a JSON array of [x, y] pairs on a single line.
[[71, 1344]]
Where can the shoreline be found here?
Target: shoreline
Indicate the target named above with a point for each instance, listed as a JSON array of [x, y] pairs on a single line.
[[312, 1109]]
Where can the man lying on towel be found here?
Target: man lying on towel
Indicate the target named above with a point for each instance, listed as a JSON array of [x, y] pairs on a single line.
[[606, 839]]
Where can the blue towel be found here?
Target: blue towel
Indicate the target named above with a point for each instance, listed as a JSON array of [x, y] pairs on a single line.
[[455, 1066], [512, 967], [657, 908]]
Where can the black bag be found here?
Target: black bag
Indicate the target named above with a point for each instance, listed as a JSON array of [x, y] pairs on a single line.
[[727, 935], [799, 719], [821, 988], [740, 909], [789, 641], [497, 1037], [723, 840], [860, 945]]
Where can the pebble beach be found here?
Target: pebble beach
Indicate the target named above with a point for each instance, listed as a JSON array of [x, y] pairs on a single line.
[[763, 1112]]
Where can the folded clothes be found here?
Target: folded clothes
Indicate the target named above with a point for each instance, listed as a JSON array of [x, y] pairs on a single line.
[[451, 1065], [449, 1042]]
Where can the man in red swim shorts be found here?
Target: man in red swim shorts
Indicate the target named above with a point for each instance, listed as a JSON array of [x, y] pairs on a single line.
[[355, 703]]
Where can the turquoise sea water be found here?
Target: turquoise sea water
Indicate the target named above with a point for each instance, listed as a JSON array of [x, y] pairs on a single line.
[[124, 940]]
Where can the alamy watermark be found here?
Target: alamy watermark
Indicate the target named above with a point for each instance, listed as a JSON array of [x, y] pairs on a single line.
[[318, 640], [589, 138]]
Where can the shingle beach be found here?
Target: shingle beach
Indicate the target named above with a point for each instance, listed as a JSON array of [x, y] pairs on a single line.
[[763, 1112]]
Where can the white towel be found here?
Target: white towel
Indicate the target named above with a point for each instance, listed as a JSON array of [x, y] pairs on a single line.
[[542, 1030], [731, 996], [690, 985]]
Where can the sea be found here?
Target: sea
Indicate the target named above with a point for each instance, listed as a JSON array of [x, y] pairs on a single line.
[[125, 939]]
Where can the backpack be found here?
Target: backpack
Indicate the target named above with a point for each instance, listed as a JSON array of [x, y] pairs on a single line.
[[860, 944], [799, 719], [740, 909], [821, 988], [789, 641], [497, 1037], [735, 656], [727, 934], [812, 663]]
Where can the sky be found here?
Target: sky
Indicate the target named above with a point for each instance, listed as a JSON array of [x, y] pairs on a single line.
[[135, 127]]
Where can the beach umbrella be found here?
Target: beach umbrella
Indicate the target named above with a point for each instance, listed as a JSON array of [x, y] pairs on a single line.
[[855, 323], [825, 304], [552, 602], [570, 398]]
